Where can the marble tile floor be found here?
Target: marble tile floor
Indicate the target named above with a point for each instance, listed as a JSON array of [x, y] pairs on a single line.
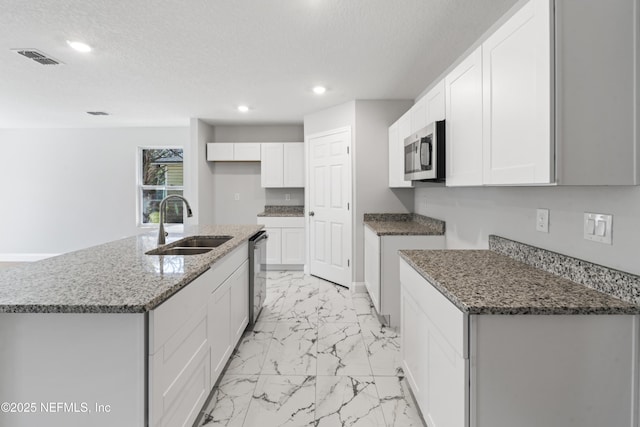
[[317, 357]]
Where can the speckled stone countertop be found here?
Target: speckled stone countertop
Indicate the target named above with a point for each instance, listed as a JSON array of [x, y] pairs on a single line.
[[115, 277], [275, 210], [394, 224], [485, 282]]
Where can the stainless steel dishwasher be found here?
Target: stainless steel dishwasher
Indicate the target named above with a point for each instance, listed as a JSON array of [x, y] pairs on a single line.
[[257, 274]]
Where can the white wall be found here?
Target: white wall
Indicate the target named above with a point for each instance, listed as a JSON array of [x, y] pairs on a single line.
[[371, 154], [472, 214], [67, 189], [199, 191]]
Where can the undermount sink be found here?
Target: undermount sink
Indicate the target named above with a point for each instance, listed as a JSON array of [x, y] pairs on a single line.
[[202, 241], [179, 251], [192, 245]]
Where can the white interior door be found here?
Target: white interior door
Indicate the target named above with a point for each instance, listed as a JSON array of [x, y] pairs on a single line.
[[330, 205]]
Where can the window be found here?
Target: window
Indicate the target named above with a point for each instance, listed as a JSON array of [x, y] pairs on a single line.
[[161, 174]]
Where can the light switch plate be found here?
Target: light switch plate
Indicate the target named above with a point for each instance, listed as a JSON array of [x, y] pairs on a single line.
[[598, 227], [542, 220]]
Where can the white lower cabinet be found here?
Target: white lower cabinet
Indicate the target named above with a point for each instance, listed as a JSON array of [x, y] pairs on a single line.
[[191, 336], [516, 370], [381, 275], [286, 242]]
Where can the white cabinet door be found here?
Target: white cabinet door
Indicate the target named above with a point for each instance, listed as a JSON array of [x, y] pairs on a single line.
[[274, 246], [246, 151], [446, 380], [397, 133], [220, 151], [463, 87], [413, 345], [419, 114], [239, 296], [372, 266], [293, 165], [293, 249], [219, 325], [435, 103], [434, 351], [516, 61], [272, 166], [394, 155]]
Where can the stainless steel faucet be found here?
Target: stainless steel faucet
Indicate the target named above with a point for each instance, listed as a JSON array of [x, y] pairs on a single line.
[[161, 233]]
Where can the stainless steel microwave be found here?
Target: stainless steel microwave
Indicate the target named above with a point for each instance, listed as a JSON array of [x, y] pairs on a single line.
[[424, 154]]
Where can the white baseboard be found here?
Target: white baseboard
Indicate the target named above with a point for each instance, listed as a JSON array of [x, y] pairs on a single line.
[[358, 287], [24, 257], [284, 267]]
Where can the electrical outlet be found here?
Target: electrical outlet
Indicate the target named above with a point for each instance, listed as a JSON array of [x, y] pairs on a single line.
[[287, 196], [236, 196], [598, 227], [542, 220]]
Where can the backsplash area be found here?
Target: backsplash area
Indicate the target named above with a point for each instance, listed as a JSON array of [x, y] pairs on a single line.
[[278, 196], [613, 282]]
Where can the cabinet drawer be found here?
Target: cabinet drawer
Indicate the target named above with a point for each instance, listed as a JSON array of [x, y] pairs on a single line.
[[188, 399], [450, 321], [281, 221]]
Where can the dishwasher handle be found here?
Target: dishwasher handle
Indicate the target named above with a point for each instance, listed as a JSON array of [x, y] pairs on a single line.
[[260, 237]]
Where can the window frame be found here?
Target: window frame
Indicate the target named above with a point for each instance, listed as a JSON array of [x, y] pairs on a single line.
[[140, 187]]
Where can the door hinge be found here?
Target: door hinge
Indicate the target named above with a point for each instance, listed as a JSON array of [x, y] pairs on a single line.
[[347, 206], [348, 263], [347, 150]]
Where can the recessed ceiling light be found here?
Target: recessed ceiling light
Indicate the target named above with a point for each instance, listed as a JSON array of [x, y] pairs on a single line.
[[243, 108], [79, 46], [319, 90]]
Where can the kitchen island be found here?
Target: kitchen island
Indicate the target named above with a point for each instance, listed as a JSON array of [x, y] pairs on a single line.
[[112, 336], [489, 341]]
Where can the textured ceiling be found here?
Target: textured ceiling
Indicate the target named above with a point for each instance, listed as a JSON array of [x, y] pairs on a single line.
[[160, 62]]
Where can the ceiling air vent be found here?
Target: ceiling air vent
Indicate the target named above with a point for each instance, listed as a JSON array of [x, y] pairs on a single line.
[[97, 113], [37, 56]]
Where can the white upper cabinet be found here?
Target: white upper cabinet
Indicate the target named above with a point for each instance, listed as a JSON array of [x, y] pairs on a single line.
[[435, 103], [463, 96], [220, 151], [419, 114], [517, 98], [282, 165], [233, 151], [272, 166], [246, 152], [293, 165], [397, 133]]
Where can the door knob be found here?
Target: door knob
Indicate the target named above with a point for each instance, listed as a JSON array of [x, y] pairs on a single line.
[[312, 213]]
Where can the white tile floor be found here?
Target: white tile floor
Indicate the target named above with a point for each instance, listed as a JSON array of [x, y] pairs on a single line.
[[317, 356]]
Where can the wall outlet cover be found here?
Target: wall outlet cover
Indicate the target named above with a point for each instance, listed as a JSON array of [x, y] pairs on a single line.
[[542, 220]]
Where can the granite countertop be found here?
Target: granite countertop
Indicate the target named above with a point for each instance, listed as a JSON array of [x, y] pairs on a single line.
[[286, 211], [116, 277], [390, 224], [485, 282]]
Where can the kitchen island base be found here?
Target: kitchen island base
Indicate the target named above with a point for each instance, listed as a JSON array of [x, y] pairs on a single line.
[[68, 369]]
